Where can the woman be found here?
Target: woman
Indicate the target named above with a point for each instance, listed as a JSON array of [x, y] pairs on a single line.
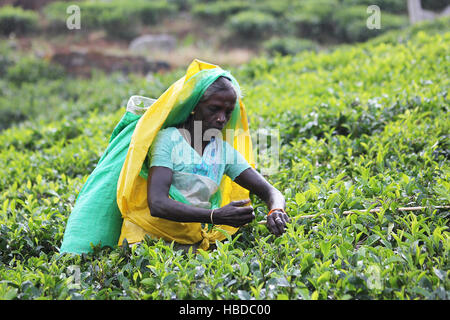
[[168, 173], [212, 113], [195, 179]]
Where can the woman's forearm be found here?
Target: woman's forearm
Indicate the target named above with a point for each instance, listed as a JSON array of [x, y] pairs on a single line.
[[252, 180], [160, 204], [275, 199], [177, 211]]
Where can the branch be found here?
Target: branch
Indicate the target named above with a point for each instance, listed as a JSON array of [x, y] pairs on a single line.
[[374, 210]]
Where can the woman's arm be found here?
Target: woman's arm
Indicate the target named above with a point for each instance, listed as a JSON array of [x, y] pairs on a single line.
[[161, 206], [253, 181]]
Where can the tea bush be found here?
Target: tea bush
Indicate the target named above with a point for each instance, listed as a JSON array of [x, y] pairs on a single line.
[[252, 24], [360, 126], [351, 24], [327, 21], [17, 20], [313, 19], [218, 11], [435, 5], [391, 6], [288, 45], [35, 89], [31, 70], [436, 26], [118, 18]]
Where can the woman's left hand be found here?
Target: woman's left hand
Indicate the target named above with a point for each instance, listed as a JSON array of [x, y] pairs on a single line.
[[276, 222], [253, 181]]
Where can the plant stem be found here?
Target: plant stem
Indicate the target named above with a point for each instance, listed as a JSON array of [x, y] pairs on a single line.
[[374, 210]]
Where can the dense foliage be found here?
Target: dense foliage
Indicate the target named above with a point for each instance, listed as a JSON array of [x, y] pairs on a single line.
[[17, 20], [362, 126], [319, 20], [118, 18], [325, 21]]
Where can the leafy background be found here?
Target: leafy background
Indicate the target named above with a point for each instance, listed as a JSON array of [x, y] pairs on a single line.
[[361, 125]]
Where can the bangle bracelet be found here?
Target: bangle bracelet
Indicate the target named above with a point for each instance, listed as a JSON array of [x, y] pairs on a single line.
[[279, 209], [211, 216]]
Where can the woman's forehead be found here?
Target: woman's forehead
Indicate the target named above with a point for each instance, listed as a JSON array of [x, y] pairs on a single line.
[[224, 97]]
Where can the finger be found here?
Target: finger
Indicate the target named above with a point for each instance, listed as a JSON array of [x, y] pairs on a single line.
[[249, 218], [245, 210], [240, 202], [244, 219], [273, 227], [285, 218], [247, 215], [279, 223]]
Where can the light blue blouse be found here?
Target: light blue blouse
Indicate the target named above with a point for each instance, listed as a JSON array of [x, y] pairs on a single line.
[[196, 177]]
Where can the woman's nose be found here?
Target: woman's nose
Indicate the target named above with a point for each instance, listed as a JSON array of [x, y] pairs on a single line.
[[221, 118]]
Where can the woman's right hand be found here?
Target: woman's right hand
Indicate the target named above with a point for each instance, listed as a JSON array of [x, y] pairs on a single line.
[[234, 214]]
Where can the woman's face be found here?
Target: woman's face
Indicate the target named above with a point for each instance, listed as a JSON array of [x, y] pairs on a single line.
[[215, 111]]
